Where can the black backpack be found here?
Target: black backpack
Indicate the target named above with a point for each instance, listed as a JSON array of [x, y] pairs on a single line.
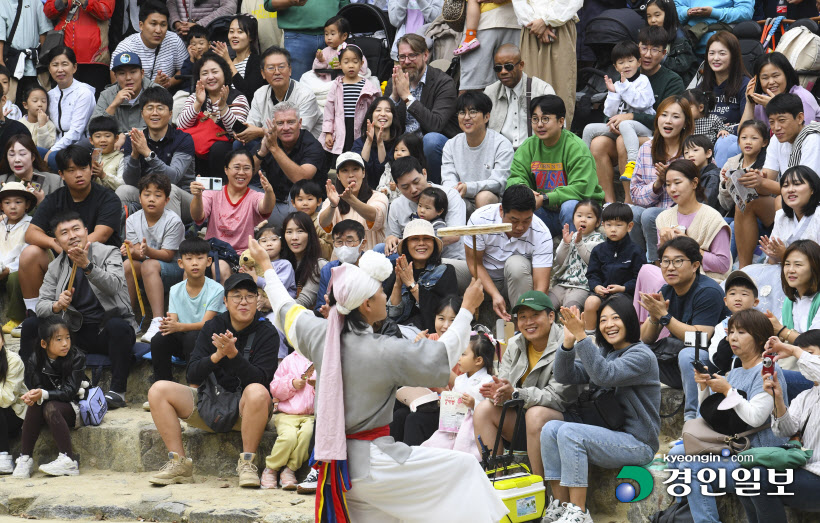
[[674, 513]]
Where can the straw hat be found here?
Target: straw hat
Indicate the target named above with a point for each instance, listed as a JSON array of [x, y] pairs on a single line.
[[420, 227], [18, 189]]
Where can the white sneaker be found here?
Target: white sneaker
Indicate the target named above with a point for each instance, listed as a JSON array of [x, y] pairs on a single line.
[[17, 331], [6, 463], [573, 514], [23, 468], [62, 466], [310, 484], [152, 329], [554, 511]]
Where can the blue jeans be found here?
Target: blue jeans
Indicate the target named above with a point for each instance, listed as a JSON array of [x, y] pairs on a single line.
[[302, 48], [645, 233], [567, 450], [687, 372], [555, 220], [795, 383], [433, 144], [805, 486], [761, 229], [725, 148]]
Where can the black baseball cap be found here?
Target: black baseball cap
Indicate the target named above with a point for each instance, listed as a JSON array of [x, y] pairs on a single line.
[[240, 281], [738, 277]]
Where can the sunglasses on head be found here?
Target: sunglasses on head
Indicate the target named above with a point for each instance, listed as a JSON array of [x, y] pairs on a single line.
[[508, 66]]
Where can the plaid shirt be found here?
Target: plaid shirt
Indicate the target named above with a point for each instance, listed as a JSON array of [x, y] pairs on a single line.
[[643, 195], [709, 126]]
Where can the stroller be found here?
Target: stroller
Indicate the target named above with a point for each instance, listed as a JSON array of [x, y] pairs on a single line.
[[372, 32], [602, 33]]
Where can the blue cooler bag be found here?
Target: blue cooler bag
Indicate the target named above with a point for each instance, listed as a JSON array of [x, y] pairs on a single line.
[[93, 407]]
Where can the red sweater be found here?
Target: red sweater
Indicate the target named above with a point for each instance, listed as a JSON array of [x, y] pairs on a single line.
[[87, 33]]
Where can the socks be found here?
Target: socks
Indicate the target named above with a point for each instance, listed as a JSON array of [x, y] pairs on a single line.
[[31, 303], [470, 35]]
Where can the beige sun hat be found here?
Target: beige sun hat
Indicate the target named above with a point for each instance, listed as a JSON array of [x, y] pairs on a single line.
[[18, 189], [419, 227]]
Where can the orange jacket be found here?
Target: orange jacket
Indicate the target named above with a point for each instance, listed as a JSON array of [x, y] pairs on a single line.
[[87, 32]]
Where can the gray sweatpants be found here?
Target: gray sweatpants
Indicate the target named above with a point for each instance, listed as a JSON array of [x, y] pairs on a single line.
[[629, 129]]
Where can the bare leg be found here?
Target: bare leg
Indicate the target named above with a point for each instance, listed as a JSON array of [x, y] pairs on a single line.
[[224, 271], [154, 289], [578, 497], [591, 307], [473, 15], [485, 198], [604, 152], [622, 159], [558, 492], [485, 424], [169, 402], [254, 408], [746, 230], [536, 418], [33, 267]]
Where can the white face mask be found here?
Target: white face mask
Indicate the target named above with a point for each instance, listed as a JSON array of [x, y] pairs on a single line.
[[346, 254]]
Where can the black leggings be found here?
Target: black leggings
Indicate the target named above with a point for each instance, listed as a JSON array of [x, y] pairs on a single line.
[[10, 425], [179, 344], [58, 415]]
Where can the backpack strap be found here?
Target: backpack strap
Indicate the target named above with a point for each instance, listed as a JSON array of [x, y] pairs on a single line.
[[528, 95], [247, 350]]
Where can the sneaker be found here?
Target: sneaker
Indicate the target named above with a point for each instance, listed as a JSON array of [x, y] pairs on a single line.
[[17, 331], [6, 463], [10, 326], [247, 471], [115, 400], [152, 329], [23, 468], [472, 45], [310, 484], [573, 514], [62, 466], [554, 511], [269, 478], [628, 170], [288, 479], [146, 407], [177, 470]]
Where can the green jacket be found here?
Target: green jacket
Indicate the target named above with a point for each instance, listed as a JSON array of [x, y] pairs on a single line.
[[565, 171], [665, 83], [309, 18]]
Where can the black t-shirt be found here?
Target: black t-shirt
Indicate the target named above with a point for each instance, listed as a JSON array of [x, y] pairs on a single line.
[[9, 128], [702, 305], [307, 150], [85, 301], [100, 207]]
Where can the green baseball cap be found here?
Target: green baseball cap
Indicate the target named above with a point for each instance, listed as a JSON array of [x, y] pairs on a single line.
[[535, 300]]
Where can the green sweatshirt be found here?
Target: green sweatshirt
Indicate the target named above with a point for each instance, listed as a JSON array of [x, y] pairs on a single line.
[[665, 83], [565, 171], [309, 18]]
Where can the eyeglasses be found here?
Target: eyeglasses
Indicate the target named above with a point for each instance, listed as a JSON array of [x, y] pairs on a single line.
[[408, 57], [236, 299], [652, 50], [507, 67], [276, 67], [544, 120], [676, 263], [350, 242], [472, 112], [242, 168]]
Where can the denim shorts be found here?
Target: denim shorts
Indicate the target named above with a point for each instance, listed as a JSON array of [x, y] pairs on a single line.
[[170, 273]]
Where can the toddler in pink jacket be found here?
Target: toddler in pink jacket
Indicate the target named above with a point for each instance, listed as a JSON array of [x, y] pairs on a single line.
[[293, 386]]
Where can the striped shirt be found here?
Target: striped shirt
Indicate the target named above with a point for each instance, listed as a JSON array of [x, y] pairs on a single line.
[[167, 57], [240, 67], [643, 195], [535, 244], [351, 97], [237, 112]]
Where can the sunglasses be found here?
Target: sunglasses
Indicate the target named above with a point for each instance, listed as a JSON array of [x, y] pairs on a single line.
[[508, 66]]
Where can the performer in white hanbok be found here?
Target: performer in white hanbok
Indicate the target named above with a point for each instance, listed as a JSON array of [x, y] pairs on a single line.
[[359, 373]]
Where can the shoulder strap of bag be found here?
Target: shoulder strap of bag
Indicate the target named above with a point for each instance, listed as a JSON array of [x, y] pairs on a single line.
[[13, 31], [528, 95], [70, 16], [753, 431], [154, 65], [247, 350]]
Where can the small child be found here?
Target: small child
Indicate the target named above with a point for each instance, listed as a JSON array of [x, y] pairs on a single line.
[[408, 144], [445, 315], [699, 150], [752, 138], [198, 44], [10, 110], [12, 408], [306, 196], [347, 102], [701, 104], [191, 303], [470, 42], [55, 375], [476, 368], [43, 131], [337, 31], [632, 94], [293, 385], [432, 207], [569, 283], [105, 163], [608, 271], [15, 202], [153, 235]]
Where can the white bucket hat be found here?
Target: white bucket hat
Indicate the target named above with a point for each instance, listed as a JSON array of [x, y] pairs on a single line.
[[420, 227]]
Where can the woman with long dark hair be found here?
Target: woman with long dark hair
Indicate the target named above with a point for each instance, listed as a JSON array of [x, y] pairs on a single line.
[[380, 130], [725, 75], [300, 246], [246, 68]]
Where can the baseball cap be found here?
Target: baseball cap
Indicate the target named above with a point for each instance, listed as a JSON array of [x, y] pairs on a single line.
[[535, 300], [240, 281], [349, 157], [738, 277], [122, 59]]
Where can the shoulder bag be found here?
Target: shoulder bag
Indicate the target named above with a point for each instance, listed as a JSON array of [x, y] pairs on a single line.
[[217, 406], [54, 38], [454, 13], [10, 55], [700, 438]]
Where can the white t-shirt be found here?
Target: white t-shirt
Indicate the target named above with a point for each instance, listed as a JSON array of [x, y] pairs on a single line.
[[777, 154], [167, 233]]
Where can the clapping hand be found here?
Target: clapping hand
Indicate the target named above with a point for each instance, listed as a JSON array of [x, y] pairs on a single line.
[[221, 49], [225, 344], [773, 247], [404, 271], [200, 93], [610, 86], [573, 322], [162, 79], [654, 304], [263, 181]]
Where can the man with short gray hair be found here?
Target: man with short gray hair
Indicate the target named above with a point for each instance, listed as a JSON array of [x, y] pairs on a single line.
[[288, 153]]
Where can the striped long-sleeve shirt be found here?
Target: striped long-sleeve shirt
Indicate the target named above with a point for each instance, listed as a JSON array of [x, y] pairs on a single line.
[[237, 112], [643, 195]]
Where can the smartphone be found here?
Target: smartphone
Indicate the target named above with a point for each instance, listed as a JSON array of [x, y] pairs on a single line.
[[211, 184], [700, 367], [37, 181], [696, 339], [96, 155], [239, 127]]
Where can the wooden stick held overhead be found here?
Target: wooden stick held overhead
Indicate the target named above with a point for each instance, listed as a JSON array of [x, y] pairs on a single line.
[[475, 230]]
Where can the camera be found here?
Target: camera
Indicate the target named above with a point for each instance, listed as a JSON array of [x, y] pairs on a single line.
[[768, 364], [696, 339]]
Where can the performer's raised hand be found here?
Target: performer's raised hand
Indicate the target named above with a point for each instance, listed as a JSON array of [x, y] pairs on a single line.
[[473, 296]]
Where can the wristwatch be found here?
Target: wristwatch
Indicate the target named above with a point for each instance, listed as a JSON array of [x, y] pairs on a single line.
[[515, 394], [152, 156], [665, 319], [413, 286], [260, 157], [88, 268]]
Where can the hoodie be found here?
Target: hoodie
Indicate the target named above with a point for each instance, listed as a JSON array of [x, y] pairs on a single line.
[[615, 263], [292, 401]]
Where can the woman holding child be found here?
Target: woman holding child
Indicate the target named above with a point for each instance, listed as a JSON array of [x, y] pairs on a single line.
[[21, 161]]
